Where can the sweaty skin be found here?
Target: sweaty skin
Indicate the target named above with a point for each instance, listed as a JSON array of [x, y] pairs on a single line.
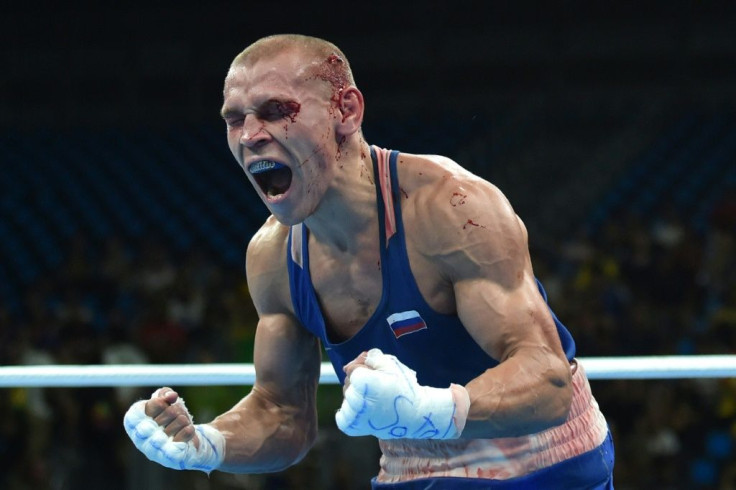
[[467, 249], [483, 273]]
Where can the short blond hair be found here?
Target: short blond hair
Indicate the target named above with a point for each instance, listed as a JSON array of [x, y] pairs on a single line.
[[331, 64]]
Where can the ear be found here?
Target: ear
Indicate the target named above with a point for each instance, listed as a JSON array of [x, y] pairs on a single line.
[[352, 107]]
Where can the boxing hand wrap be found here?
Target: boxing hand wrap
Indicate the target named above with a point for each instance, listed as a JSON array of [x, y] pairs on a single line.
[[386, 401], [150, 438]]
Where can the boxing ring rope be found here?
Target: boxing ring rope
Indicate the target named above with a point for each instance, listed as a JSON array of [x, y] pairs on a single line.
[[634, 367]]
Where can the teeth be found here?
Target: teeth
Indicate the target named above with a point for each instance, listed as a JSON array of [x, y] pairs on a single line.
[[264, 166]]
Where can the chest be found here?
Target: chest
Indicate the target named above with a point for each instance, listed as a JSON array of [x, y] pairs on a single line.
[[349, 286]]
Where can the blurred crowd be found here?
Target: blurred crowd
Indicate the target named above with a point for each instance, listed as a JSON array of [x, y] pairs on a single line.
[[637, 286], [651, 285]]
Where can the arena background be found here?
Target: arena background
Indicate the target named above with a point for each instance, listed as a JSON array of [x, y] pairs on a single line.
[[124, 220]]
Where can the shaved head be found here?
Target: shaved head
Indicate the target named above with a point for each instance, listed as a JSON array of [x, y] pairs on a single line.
[[322, 59]]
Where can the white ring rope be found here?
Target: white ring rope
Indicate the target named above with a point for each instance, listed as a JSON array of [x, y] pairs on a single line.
[[641, 367]]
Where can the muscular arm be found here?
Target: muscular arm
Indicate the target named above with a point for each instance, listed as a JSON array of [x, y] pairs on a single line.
[[530, 389], [276, 423], [481, 253]]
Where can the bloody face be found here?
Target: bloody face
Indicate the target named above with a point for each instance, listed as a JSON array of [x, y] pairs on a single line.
[[281, 129]]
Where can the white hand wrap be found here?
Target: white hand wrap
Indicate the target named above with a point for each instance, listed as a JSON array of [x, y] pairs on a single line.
[[387, 402], [151, 440]]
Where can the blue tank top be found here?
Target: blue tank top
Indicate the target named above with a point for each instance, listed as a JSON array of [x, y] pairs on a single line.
[[435, 345]]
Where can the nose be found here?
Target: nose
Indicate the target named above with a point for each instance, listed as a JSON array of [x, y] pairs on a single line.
[[254, 132]]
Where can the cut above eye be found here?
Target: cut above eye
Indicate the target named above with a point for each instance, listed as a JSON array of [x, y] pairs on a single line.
[[272, 177]]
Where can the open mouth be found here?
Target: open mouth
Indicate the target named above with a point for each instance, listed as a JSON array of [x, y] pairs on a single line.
[[272, 177]]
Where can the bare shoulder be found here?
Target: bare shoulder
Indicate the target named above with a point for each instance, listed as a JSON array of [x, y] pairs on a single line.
[[265, 266], [424, 176], [459, 219]]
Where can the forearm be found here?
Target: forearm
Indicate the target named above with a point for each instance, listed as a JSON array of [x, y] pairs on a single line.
[[262, 436], [529, 392]]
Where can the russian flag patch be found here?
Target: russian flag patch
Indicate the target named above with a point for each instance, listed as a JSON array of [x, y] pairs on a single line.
[[406, 322]]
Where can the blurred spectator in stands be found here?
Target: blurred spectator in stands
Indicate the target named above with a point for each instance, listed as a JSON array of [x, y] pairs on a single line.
[[160, 338], [119, 346], [155, 272]]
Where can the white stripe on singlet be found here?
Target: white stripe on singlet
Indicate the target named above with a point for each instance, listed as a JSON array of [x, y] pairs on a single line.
[[384, 181], [296, 245], [502, 458]]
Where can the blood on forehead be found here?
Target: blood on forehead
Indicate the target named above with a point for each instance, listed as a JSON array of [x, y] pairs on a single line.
[[334, 71]]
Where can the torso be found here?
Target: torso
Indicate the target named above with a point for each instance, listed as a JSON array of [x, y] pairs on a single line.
[[349, 283], [348, 286]]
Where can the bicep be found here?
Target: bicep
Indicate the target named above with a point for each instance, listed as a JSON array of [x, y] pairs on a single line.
[[276, 423], [487, 266], [497, 296], [286, 356], [287, 361], [490, 270], [504, 320]]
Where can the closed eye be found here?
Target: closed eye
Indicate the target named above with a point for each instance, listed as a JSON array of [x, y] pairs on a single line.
[[232, 118], [234, 122], [275, 109]]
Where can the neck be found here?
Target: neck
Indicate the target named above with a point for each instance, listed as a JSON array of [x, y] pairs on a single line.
[[348, 211]]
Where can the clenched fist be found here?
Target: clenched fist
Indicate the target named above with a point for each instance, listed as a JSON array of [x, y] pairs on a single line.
[[383, 398], [163, 429]]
